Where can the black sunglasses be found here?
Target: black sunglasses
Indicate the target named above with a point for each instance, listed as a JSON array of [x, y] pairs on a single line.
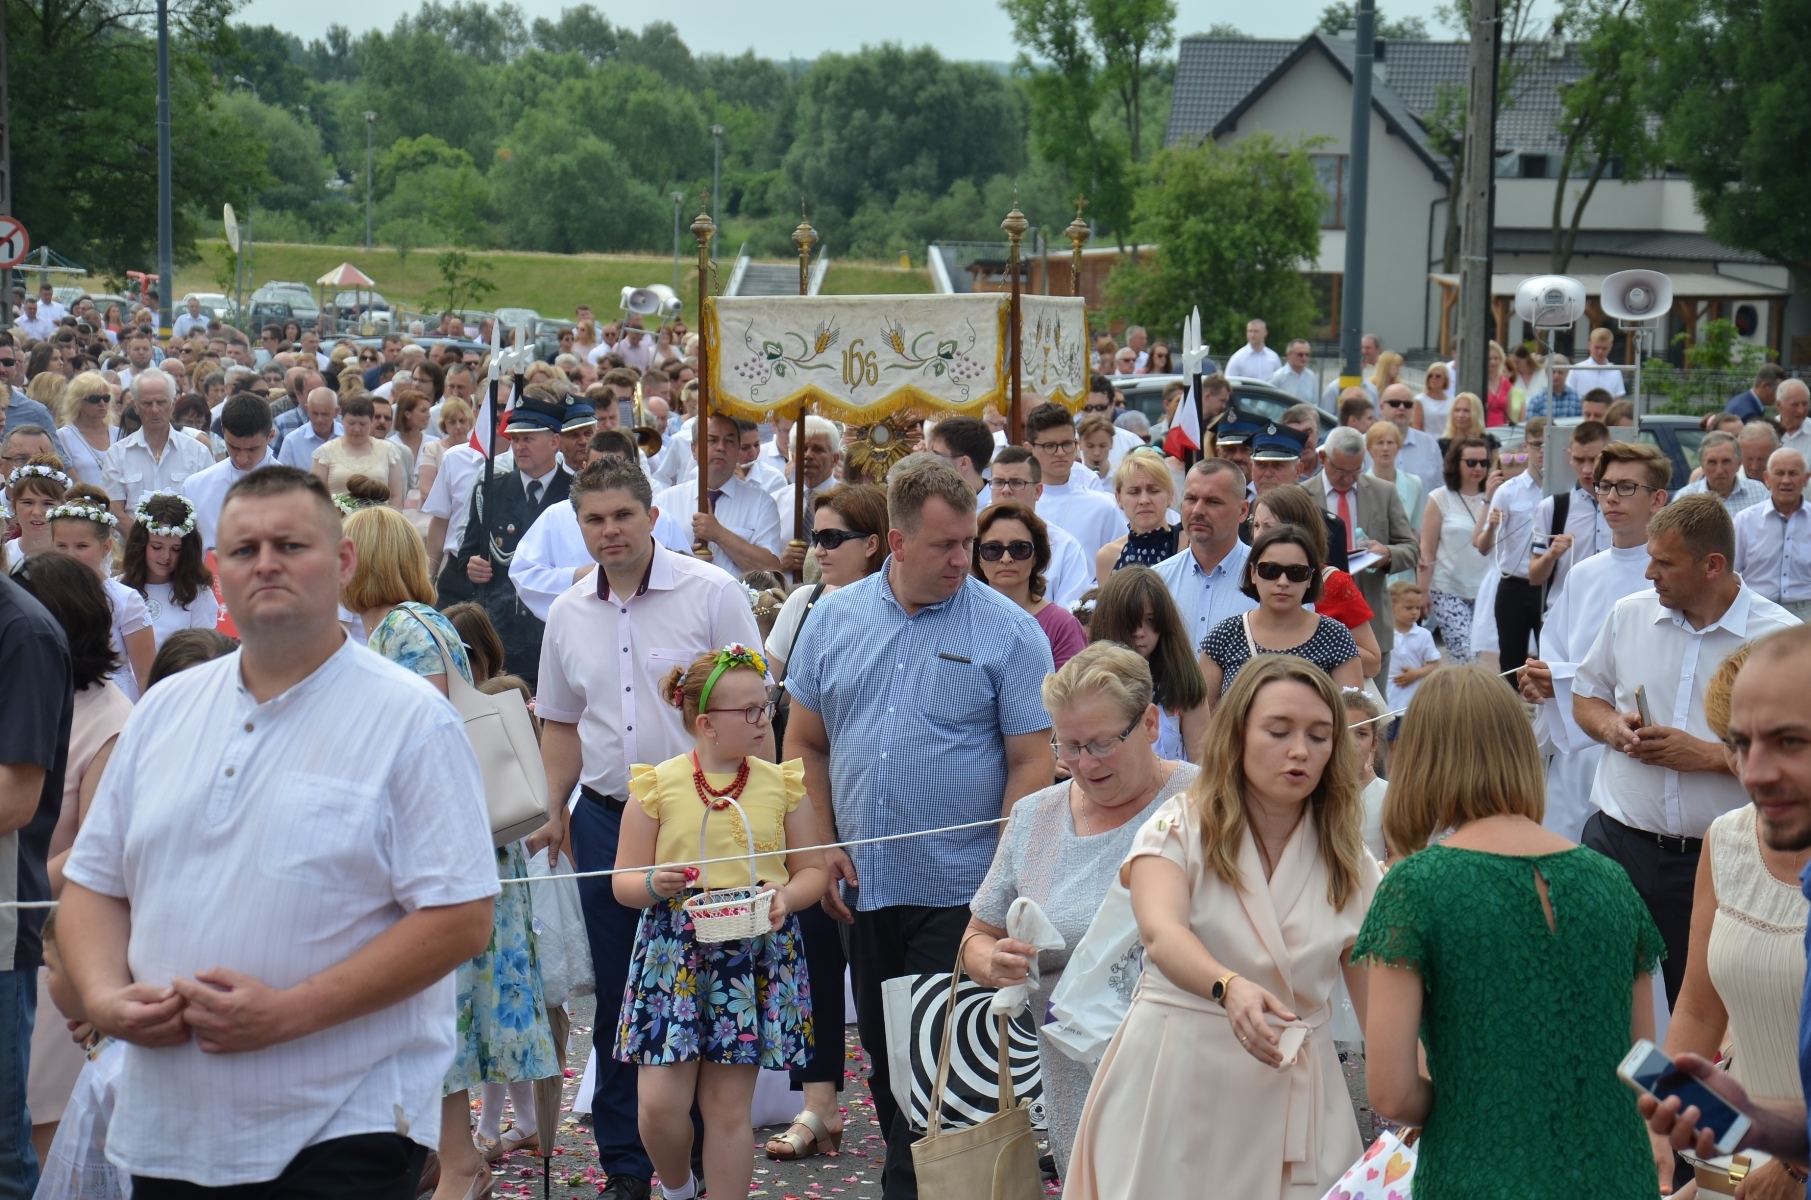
[[830, 539], [995, 551], [1476, 462], [1294, 572]]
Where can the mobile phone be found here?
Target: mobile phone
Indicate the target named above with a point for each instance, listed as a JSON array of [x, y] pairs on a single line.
[[625, 414], [1646, 1069], [1641, 706]]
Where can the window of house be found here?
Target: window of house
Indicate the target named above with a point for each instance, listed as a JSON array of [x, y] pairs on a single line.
[[1331, 171], [1325, 286]]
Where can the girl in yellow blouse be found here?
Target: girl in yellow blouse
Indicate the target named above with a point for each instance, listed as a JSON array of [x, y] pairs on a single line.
[[701, 1017]]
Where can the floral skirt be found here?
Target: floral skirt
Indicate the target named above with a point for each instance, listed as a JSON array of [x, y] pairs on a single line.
[[741, 1003], [503, 1035]]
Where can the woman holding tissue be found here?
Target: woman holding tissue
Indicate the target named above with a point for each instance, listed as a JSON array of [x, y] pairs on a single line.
[[1063, 845], [1249, 891]]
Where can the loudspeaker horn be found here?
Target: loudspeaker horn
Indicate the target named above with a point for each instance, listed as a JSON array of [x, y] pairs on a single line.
[[1637, 295], [655, 298], [1550, 301]]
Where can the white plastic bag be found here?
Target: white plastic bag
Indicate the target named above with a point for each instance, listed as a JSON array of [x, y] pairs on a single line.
[[560, 940], [1096, 989], [1025, 922]]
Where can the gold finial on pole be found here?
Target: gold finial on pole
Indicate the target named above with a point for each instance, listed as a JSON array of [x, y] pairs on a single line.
[[1015, 226], [702, 229], [1078, 237], [804, 237]]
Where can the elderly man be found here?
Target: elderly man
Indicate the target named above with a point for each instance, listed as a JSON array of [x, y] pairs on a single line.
[[1722, 476], [32, 322], [742, 527], [1254, 360], [916, 667], [1371, 516], [1773, 539], [19, 444], [1793, 399], [1136, 341], [823, 454], [1276, 455], [192, 321], [1560, 400], [1294, 376], [155, 458], [1757, 442], [1203, 577], [1420, 454], [322, 412]]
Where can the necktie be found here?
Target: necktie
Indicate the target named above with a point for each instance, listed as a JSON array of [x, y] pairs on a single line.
[[534, 493], [716, 495], [1345, 515]]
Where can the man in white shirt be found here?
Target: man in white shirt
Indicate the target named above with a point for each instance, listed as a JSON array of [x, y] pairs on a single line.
[[1294, 376], [1369, 350], [1723, 478], [48, 306], [1773, 539], [268, 897], [1662, 780], [610, 642], [1099, 403], [322, 409], [1070, 573], [192, 321], [823, 454], [1253, 360], [1793, 399], [1136, 339], [1203, 578], [155, 458], [32, 322], [1572, 524], [742, 527], [636, 348], [1572, 624], [138, 347], [751, 466], [1508, 536], [1597, 371], [246, 426], [1089, 515]]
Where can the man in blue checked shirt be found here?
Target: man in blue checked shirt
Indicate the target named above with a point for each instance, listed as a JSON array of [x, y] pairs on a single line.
[[915, 705]]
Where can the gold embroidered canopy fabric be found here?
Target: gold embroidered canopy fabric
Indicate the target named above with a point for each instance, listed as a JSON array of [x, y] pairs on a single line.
[[862, 358]]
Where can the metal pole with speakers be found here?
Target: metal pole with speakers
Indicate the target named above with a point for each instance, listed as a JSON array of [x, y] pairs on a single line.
[[1546, 303], [1638, 299]]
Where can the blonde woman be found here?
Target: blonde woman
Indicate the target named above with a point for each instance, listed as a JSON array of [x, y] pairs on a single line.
[[456, 419], [1387, 371], [1144, 489], [1465, 418], [86, 432], [1383, 442], [47, 388], [1543, 952], [1249, 890], [1496, 387], [1435, 399]]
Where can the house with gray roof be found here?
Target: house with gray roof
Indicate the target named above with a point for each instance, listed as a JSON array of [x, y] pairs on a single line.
[[1302, 90]]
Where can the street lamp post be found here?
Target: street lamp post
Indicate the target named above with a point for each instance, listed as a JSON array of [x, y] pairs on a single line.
[[716, 185], [678, 199], [370, 127], [166, 273]]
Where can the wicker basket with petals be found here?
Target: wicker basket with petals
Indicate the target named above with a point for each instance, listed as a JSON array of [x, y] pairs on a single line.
[[727, 914]]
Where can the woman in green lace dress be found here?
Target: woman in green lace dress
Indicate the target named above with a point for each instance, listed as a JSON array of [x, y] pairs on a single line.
[[503, 1033], [1521, 960]]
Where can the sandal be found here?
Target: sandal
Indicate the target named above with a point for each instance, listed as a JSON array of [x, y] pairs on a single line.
[[512, 1140], [821, 1139]]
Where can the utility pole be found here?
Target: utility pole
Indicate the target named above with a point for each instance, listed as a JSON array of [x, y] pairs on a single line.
[[370, 127], [166, 272], [716, 186], [1358, 174], [1478, 187], [6, 173]]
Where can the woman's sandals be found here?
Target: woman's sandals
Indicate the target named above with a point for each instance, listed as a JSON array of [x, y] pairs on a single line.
[[797, 1145]]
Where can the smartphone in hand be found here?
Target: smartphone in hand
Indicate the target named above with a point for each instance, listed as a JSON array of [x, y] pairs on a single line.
[[1648, 1070], [1641, 706]]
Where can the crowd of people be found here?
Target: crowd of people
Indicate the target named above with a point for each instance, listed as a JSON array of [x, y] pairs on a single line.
[[1241, 711]]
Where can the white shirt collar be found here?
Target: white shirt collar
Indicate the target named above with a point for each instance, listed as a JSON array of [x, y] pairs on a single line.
[[1734, 618]]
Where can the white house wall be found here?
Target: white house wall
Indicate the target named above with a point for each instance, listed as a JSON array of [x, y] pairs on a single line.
[[1649, 204]]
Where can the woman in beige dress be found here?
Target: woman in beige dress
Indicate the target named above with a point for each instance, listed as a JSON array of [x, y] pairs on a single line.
[[356, 452], [1249, 889]]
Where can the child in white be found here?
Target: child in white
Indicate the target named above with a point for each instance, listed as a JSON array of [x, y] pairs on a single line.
[[76, 1166], [1414, 656]]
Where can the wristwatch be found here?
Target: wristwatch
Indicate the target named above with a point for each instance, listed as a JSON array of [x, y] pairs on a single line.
[[1220, 986]]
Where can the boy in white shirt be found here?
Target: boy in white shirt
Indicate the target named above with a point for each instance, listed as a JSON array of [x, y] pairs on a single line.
[[1414, 657]]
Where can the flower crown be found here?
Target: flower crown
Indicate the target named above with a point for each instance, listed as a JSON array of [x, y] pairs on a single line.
[[40, 469], [83, 511], [760, 604], [142, 514], [348, 504], [732, 656]]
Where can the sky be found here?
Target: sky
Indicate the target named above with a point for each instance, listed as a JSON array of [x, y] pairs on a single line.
[[780, 29]]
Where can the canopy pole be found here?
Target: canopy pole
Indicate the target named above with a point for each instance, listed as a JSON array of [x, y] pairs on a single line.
[[804, 237], [1015, 226], [703, 228]]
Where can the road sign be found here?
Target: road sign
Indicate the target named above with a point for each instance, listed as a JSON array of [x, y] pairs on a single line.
[[15, 243], [232, 228]]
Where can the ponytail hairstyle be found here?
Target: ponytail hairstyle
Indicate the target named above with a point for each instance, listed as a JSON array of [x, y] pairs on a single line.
[[688, 688], [167, 514]]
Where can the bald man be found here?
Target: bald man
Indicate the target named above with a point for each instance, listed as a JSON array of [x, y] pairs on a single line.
[[322, 408]]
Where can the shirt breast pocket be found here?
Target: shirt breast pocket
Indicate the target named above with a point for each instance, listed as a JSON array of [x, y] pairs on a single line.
[[319, 827], [957, 693], [662, 660]]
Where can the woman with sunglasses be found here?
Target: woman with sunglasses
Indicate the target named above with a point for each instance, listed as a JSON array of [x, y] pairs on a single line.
[[1340, 598], [1012, 552], [1451, 569], [86, 434], [1159, 362], [1283, 574]]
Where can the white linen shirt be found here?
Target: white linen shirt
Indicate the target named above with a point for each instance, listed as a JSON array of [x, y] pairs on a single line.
[[207, 491], [1799, 439], [554, 547], [1644, 644], [1590, 376], [276, 839], [1089, 515], [1305, 386], [1745, 494], [744, 509], [1247, 363], [604, 658], [1519, 499], [131, 472], [1205, 598], [1773, 552]]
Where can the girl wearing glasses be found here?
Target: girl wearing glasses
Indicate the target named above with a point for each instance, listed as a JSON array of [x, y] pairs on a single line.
[[1012, 552], [701, 1018], [1283, 574], [1451, 568]]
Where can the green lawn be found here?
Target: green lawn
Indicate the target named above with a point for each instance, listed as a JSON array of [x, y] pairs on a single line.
[[551, 284]]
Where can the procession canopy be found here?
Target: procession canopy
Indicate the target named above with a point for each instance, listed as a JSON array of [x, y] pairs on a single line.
[[859, 359]]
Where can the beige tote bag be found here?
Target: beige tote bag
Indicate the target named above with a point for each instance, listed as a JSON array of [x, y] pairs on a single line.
[[995, 1160]]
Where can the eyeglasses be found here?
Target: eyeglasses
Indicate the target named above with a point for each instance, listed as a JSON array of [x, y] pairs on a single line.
[[1294, 572], [1067, 447], [1017, 551], [1478, 463], [1399, 404], [754, 714], [1514, 458], [830, 539], [1622, 487], [1070, 751], [1011, 485], [367, 358]]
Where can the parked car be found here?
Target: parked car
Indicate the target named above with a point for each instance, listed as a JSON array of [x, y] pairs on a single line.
[[524, 318], [1145, 393], [1679, 436]]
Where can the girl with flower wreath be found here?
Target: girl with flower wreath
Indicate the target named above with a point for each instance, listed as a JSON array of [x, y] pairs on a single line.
[[164, 562], [82, 528], [702, 1018], [33, 490]]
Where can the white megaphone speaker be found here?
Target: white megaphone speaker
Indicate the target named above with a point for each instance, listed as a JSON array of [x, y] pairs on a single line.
[[1550, 301], [647, 301], [1637, 295]]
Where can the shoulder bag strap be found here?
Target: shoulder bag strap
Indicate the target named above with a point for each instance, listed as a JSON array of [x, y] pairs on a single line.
[[455, 680], [1562, 507], [1251, 646]]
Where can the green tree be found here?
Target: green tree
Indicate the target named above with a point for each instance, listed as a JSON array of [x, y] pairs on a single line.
[[1127, 34], [463, 282], [582, 30], [295, 166], [451, 203], [1730, 91], [1604, 118], [1235, 227], [1343, 14], [409, 155], [560, 188]]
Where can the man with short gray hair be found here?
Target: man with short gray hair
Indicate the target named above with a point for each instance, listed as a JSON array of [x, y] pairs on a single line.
[[1773, 539], [1793, 399], [1294, 376], [155, 457], [1757, 442], [897, 677], [1722, 478]]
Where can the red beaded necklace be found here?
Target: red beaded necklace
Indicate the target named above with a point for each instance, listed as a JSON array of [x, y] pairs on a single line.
[[718, 800]]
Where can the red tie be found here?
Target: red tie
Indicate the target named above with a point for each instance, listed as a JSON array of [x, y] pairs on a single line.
[[1345, 515]]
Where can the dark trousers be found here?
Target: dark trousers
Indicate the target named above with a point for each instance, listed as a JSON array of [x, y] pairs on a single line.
[[18, 1009], [905, 939], [610, 927], [1518, 613], [824, 964], [365, 1166], [1665, 879]]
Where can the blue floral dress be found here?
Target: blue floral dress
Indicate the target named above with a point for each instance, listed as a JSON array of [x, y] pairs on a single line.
[[741, 1003], [503, 1034]]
